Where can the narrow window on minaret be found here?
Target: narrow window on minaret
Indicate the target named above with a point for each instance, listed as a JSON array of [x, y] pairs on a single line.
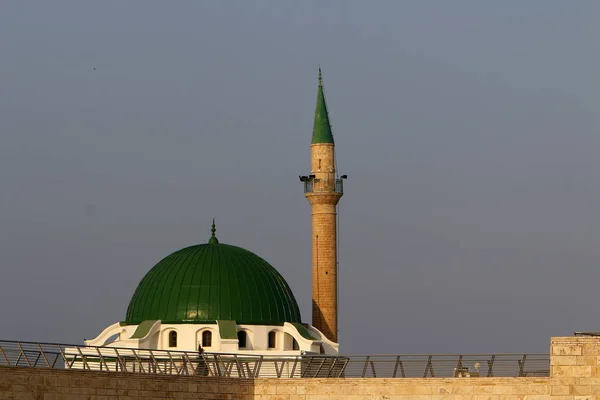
[[319, 164]]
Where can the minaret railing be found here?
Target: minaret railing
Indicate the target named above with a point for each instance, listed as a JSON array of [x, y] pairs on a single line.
[[316, 185]]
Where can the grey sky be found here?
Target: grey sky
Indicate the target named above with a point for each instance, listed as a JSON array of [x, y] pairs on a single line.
[[469, 131]]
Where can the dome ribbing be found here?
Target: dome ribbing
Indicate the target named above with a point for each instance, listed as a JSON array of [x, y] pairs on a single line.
[[210, 282]]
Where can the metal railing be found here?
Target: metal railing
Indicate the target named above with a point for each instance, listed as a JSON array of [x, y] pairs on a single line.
[[113, 359], [315, 185]]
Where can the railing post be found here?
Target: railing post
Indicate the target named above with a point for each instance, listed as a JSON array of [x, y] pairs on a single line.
[[429, 368], [333, 362], [320, 366], [37, 359], [396, 366], [120, 361], [306, 368], [217, 366], [137, 359], [239, 368], [64, 356], [343, 369], [293, 367], [257, 367], [227, 367], [364, 373], [102, 360], [43, 354], [277, 370], [173, 365], [83, 358], [24, 355], [522, 365], [190, 364], [490, 364], [4, 355], [156, 363], [373, 369]]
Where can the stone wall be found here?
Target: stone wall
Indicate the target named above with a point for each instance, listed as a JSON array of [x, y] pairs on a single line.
[[575, 375], [575, 368], [54, 384], [404, 389]]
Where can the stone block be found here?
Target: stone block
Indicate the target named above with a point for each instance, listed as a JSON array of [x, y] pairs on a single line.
[[265, 388], [483, 389], [502, 389], [581, 390], [591, 360], [531, 389], [285, 389], [561, 390], [567, 350], [571, 371], [410, 389], [566, 360], [51, 380]]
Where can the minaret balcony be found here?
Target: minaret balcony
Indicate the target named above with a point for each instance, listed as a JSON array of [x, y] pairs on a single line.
[[314, 185]]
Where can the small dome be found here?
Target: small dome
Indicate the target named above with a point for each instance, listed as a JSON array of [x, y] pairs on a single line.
[[210, 282]]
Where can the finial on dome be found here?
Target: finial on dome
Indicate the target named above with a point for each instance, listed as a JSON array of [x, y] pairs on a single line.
[[213, 239], [320, 77]]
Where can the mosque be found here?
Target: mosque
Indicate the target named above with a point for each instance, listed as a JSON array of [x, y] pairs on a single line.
[[226, 299]]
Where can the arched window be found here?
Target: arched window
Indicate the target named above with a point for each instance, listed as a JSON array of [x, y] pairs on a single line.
[[206, 339], [295, 345], [172, 339], [242, 339], [272, 339]]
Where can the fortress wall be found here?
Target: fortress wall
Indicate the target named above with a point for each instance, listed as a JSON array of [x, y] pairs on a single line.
[[574, 369], [405, 389], [53, 384]]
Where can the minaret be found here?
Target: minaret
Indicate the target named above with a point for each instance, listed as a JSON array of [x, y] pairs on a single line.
[[323, 190]]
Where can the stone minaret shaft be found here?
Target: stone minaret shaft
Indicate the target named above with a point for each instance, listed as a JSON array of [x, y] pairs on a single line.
[[323, 190]]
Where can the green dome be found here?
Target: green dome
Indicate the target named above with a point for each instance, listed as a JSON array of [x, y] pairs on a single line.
[[210, 282]]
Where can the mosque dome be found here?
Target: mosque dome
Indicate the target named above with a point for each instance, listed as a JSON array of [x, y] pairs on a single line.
[[213, 281]]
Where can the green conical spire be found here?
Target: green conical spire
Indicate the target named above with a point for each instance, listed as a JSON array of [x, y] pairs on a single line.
[[322, 127], [213, 239]]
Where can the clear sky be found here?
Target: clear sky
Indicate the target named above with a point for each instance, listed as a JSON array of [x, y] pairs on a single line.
[[469, 131]]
